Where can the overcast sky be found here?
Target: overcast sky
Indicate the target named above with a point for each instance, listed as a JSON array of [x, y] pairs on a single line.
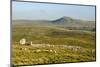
[[44, 11]]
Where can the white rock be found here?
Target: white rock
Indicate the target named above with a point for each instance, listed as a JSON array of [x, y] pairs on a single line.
[[23, 41]]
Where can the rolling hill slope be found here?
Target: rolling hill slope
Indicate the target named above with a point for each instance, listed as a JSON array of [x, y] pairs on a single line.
[[65, 22]]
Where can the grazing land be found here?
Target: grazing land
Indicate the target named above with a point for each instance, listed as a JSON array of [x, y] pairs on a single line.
[[60, 41]]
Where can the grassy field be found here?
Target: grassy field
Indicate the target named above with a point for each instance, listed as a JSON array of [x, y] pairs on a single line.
[[55, 45]]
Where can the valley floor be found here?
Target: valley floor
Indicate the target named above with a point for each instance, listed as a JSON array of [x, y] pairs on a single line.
[[52, 45]]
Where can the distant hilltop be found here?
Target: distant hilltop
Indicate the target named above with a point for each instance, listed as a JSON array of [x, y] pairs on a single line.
[[63, 21]]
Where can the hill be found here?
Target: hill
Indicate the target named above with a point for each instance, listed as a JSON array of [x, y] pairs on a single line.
[[64, 22], [63, 40]]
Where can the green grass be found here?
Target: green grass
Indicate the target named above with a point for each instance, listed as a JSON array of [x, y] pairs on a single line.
[[23, 55], [31, 56]]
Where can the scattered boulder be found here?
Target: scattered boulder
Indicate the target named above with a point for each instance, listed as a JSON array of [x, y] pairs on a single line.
[[23, 41]]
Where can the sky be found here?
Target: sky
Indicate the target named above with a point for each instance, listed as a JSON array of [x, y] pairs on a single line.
[[45, 11]]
